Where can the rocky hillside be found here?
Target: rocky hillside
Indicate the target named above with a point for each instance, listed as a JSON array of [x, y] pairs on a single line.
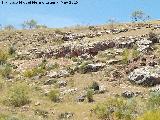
[[81, 73]]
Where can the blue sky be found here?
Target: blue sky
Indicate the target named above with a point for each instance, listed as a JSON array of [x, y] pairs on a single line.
[[86, 12]]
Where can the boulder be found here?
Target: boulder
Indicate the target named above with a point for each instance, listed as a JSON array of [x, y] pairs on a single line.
[[62, 83], [155, 89], [90, 67], [68, 91], [53, 74], [63, 73], [127, 94], [145, 75], [113, 61], [58, 74], [102, 89], [80, 99]]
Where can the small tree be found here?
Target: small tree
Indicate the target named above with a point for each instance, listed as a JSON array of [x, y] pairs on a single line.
[[24, 25], [0, 26], [29, 24], [138, 15], [9, 27], [112, 22], [32, 24]]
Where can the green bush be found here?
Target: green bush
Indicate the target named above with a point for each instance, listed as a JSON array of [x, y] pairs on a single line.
[[58, 31], [8, 117], [83, 67], [125, 56], [115, 109], [5, 70], [3, 56], [150, 115], [153, 37], [42, 113], [1, 83], [34, 71], [95, 86], [52, 66], [154, 100], [11, 50], [135, 53], [18, 95], [90, 95], [54, 95]]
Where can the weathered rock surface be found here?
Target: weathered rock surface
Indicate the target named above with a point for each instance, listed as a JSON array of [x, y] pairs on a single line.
[[146, 75], [90, 67], [144, 45]]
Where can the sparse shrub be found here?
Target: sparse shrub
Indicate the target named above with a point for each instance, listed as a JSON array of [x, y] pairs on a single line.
[[9, 27], [154, 100], [72, 82], [138, 15], [114, 109], [11, 50], [29, 24], [135, 53], [125, 56], [82, 67], [34, 71], [58, 31], [66, 115], [42, 113], [112, 23], [52, 66], [8, 117], [41, 26], [3, 117], [5, 70], [43, 64], [1, 83], [95, 86], [150, 115], [3, 56], [153, 37], [74, 59], [70, 70], [90, 95], [18, 95], [54, 95], [29, 73], [93, 28]]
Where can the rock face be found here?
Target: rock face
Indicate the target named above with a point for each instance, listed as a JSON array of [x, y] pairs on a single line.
[[144, 45], [146, 75], [75, 46]]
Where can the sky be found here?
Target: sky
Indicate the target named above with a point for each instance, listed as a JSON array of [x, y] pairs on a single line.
[[86, 12]]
